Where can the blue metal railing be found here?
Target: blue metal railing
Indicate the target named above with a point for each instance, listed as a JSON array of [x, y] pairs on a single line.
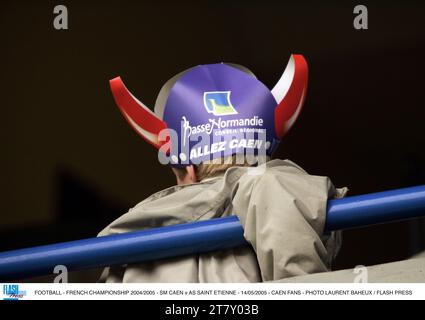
[[198, 237]]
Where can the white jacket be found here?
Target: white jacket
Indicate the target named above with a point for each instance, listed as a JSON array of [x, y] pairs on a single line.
[[282, 211]]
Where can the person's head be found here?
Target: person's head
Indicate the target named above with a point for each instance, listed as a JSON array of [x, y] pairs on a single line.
[[212, 111]]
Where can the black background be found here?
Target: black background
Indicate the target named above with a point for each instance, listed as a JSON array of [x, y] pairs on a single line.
[[70, 164]]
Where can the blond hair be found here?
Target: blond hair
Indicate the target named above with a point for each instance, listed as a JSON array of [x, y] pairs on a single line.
[[216, 167]]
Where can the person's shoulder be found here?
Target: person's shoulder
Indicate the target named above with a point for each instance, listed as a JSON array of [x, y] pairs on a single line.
[[156, 210], [176, 192], [278, 166], [283, 174], [272, 169]]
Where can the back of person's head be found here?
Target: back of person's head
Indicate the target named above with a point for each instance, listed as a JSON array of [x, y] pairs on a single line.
[[218, 166], [213, 117]]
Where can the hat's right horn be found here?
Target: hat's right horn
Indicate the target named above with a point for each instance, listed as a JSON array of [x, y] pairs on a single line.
[[290, 92]]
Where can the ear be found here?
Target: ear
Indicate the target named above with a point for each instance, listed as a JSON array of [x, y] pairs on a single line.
[[186, 175], [191, 174]]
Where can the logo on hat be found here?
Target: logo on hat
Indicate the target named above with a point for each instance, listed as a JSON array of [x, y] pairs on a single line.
[[218, 103]]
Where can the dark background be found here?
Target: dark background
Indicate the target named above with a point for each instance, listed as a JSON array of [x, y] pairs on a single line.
[[70, 164]]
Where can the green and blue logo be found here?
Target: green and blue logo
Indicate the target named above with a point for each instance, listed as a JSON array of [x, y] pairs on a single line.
[[218, 103]]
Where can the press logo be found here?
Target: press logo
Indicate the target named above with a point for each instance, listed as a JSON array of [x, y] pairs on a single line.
[[11, 292], [218, 103]]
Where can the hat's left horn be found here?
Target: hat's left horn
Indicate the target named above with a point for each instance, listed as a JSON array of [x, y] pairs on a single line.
[[290, 92], [140, 117]]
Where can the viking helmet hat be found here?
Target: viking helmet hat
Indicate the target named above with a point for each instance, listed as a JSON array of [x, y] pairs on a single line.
[[212, 103]]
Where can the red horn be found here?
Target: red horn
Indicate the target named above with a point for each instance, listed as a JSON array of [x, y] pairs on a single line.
[[140, 117], [290, 92]]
